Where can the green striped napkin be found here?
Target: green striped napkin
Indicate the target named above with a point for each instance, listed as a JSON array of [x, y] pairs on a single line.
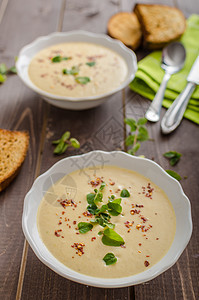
[[149, 75]]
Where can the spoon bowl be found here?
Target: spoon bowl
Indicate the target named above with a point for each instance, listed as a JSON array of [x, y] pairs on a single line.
[[173, 58]]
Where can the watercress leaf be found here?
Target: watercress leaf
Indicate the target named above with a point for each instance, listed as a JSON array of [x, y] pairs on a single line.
[[174, 174], [12, 70], [142, 121], [93, 209], [56, 59], [74, 70], [59, 148], [98, 197], [110, 225], [109, 259], [132, 123], [102, 186], [130, 140], [82, 80], [65, 136], [66, 58], [91, 63], [74, 143], [66, 72], [113, 200], [124, 193], [56, 142], [130, 151], [103, 208], [2, 78], [114, 208], [169, 154], [174, 160], [111, 238], [173, 157], [90, 198], [64, 148], [142, 134], [100, 232], [3, 69], [136, 148], [84, 227]]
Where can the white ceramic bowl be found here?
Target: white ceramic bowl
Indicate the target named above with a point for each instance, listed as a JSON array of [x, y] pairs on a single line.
[[26, 54], [143, 166]]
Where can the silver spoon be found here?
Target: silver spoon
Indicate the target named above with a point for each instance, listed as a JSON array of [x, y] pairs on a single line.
[[173, 58]]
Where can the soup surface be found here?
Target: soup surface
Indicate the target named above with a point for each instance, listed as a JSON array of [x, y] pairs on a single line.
[[77, 69], [134, 208]]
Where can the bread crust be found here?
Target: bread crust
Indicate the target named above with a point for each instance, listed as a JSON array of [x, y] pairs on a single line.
[[161, 24], [13, 150], [125, 27]]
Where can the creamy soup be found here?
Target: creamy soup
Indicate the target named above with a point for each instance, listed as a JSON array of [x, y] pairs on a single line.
[[77, 69], [143, 220]]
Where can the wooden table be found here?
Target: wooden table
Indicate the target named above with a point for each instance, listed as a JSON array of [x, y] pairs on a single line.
[[22, 275]]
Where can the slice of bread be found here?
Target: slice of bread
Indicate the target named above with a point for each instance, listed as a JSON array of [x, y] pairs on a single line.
[[125, 27], [13, 149], [160, 24]]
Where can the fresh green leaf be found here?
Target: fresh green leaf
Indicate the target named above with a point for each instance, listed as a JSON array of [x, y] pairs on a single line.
[[111, 238], [130, 140], [56, 142], [65, 136], [82, 80], [75, 143], [109, 259], [174, 174], [12, 70], [142, 134], [2, 78], [114, 208], [102, 186], [142, 121], [90, 198], [74, 71], [66, 58], [3, 69], [132, 123], [91, 63], [173, 157], [66, 72], [84, 227], [130, 151], [100, 232], [124, 193], [136, 148], [56, 59], [59, 148]]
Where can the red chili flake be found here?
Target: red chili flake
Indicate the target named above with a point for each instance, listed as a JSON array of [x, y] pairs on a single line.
[[74, 222], [139, 251], [155, 213], [128, 224], [157, 238], [69, 226], [140, 244], [62, 237], [87, 214], [118, 190], [112, 183], [73, 257], [59, 223], [79, 248], [147, 255], [139, 205], [146, 263], [77, 232], [95, 182], [63, 212], [143, 219], [56, 233], [134, 211], [93, 238], [110, 191], [67, 202]]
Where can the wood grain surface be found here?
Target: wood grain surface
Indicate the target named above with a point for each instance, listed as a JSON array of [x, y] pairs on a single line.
[[22, 275]]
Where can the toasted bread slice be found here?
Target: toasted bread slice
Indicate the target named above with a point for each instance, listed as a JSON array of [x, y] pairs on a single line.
[[125, 27], [160, 24], [13, 149]]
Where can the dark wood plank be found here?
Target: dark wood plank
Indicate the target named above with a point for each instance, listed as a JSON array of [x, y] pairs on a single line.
[[20, 110]]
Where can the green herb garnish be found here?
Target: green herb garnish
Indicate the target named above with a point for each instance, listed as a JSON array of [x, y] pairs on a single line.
[[59, 58], [5, 71], [91, 64], [174, 174], [74, 71], [112, 238], [82, 80], [114, 207], [109, 259], [140, 135], [124, 193], [84, 227], [173, 157], [64, 142]]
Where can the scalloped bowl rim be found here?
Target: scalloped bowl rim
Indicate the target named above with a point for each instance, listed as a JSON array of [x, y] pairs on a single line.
[[97, 37], [122, 160]]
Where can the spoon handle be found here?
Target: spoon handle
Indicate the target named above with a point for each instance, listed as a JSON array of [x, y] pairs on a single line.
[[175, 113], [153, 112]]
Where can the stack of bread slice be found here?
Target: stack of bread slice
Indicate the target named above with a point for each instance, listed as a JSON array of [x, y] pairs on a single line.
[[157, 25], [13, 149]]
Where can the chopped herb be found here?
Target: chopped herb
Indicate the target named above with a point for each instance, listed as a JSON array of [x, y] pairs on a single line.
[[64, 142], [111, 238], [173, 157], [82, 80], [140, 134], [84, 227], [114, 207], [74, 71], [124, 193], [110, 259], [91, 64], [174, 174], [59, 58], [5, 71]]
